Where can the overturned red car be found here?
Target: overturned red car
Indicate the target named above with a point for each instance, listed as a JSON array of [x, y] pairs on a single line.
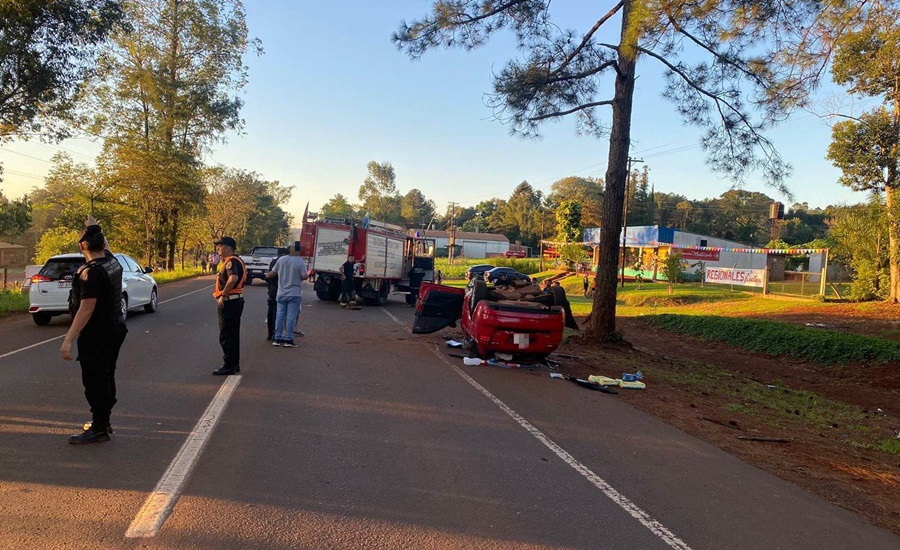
[[517, 321]]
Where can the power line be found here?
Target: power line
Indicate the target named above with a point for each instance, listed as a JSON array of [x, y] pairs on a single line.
[[24, 155]]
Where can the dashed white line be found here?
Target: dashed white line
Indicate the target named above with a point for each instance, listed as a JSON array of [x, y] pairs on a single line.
[[621, 500], [162, 500]]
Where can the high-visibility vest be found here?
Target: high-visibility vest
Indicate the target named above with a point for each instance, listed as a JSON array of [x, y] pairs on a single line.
[[238, 288]]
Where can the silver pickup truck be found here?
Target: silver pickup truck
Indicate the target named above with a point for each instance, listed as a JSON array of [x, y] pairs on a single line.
[[259, 260]]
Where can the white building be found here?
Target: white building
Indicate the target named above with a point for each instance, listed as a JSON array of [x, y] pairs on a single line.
[[474, 245]]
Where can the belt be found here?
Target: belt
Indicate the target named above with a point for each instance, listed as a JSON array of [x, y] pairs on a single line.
[[232, 297]]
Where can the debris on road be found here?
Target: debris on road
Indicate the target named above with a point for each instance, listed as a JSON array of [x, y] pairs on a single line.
[[730, 424], [454, 344], [557, 375], [592, 386], [765, 439]]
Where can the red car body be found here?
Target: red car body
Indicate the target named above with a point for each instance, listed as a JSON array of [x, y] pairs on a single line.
[[515, 254], [524, 329]]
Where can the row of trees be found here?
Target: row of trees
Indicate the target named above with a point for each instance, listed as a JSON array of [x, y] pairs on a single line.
[[158, 82]]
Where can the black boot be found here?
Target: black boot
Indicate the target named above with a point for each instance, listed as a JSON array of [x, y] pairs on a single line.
[[89, 436], [87, 426]]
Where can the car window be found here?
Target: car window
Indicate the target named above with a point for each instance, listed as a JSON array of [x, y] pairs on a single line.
[[59, 268], [266, 251], [133, 265], [123, 262]]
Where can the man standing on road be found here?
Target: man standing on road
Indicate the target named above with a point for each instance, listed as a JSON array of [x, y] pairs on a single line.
[[291, 272], [99, 327], [229, 295], [272, 288], [347, 292], [213, 262], [585, 284]]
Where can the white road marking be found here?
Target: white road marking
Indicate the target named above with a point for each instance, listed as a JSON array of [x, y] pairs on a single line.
[[388, 313], [621, 500], [7, 354], [162, 500], [186, 294]]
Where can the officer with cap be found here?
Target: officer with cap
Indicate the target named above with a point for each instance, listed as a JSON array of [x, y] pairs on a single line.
[[99, 328], [229, 295]]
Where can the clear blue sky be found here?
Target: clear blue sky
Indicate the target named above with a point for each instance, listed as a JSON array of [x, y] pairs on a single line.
[[332, 93]]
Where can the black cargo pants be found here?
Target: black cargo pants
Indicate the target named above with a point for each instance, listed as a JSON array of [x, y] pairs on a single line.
[[97, 354], [230, 332]]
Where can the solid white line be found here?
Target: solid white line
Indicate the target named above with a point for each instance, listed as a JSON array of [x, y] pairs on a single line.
[[388, 313], [7, 354], [654, 526], [162, 500]]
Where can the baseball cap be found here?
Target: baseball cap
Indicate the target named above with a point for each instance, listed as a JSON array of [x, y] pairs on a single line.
[[227, 241]]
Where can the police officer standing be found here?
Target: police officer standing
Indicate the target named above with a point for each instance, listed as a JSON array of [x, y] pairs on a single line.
[[99, 327], [229, 295]]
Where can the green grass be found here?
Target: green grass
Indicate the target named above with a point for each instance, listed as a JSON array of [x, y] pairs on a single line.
[[12, 301], [528, 266], [891, 445], [774, 338], [776, 402], [163, 277]]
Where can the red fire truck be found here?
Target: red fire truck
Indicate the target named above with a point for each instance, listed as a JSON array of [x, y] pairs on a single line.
[[385, 256]]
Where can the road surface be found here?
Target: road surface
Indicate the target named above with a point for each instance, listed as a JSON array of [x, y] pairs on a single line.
[[365, 436]]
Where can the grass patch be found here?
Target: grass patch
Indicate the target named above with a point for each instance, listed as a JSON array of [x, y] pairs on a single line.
[[778, 404], [658, 296], [774, 338], [890, 445], [163, 277], [527, 266], [12, 301]]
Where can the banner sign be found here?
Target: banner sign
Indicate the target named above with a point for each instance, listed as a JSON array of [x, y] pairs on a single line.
[[702, 255], [730, 276]]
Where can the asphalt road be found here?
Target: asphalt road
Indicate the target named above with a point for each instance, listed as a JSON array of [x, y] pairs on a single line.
[[365, 436]]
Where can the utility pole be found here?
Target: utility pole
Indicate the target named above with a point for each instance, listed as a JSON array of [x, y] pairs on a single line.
[[452, 233], [625, 215], [542, 239]]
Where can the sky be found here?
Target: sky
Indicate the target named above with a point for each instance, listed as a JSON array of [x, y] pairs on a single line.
[[331, 93]]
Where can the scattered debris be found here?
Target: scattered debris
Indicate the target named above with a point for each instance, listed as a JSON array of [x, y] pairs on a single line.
[[731, 424], [454, 344], [819, 325], [765, 439], [593, 386], [557, 375], [632, 383], [566, 356]]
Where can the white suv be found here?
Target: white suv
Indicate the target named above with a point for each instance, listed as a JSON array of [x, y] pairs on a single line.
[[49, 293]]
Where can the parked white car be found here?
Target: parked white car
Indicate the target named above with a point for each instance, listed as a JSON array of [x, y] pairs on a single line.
[[49, 293]]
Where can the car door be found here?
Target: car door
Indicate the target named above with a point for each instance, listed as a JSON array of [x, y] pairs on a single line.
[[131, 283], [438, 307], [143, 280]]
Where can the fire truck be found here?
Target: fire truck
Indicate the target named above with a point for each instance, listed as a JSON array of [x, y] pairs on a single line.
[[387, 258]]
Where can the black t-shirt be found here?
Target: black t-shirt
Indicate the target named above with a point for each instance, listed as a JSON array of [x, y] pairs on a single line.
[[347, 268], [101, 279], [272, 283]]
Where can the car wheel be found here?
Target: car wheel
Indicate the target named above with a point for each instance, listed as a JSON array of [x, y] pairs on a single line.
[[41, 319], [124, 306], [154, 302]]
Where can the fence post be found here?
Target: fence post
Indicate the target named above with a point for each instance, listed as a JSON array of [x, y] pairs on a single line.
[[823, 282], [766, 282]]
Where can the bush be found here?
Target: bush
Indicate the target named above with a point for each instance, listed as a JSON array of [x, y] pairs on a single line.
[[12, 300]]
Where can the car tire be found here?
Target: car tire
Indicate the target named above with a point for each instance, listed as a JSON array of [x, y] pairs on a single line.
[[42, 319], [124, 306], [154, 302]]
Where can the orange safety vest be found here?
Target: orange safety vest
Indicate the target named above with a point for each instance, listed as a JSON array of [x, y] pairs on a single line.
[[238, 288]]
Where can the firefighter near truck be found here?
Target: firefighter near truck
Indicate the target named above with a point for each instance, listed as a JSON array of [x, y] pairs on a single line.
[[387, 259]]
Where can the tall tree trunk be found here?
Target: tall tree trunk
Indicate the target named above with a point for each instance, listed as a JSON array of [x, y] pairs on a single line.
[[603, 319], [173, 239], [893, 244]]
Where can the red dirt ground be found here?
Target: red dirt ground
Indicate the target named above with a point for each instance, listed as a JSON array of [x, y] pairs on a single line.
[[831, 461]]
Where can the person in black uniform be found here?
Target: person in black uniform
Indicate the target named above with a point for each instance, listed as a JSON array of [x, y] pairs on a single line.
[[348, 293], [229, 295], [99, 328]]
